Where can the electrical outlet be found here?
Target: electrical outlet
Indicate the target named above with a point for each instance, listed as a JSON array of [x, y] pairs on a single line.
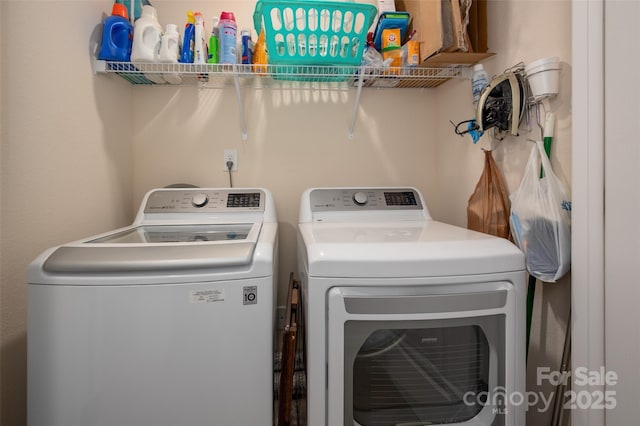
[[230, 155], [280, 312]]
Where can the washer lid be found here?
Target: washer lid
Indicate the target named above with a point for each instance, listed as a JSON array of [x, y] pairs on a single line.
[[159, 248], [404, 249], [147, 234]]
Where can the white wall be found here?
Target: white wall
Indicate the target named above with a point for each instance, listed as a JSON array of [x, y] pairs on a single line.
[[66, 157], [296, 140], [85, 157]]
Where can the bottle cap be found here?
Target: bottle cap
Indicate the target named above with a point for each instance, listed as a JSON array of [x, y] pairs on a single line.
[[149, 11], [228, 15], [478, 67], [119, 9], [172, 28]]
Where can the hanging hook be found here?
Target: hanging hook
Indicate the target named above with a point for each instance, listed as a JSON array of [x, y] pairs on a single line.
[[538, 120], [540, 105]]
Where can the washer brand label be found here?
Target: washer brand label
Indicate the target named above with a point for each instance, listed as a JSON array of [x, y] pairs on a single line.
[[206, 296], [250, 295]]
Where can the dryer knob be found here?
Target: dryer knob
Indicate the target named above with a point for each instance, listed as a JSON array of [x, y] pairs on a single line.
[[200, 200], [360, 198]]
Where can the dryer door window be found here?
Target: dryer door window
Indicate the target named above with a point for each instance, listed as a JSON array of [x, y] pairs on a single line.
[[422, 372]]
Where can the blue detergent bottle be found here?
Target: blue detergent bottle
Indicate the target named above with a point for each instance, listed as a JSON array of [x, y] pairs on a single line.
[[188, 39], [117, 36]]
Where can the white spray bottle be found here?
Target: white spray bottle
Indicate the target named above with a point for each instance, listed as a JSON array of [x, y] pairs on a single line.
[[200, 43]]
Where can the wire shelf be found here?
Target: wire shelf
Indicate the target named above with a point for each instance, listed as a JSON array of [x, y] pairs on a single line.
[[291, 76], [283, 77]]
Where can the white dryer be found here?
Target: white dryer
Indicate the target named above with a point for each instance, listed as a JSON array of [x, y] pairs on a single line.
[[409, 321], [168, 321]]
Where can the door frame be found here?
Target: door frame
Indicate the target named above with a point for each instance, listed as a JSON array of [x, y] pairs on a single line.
[[587, 293]]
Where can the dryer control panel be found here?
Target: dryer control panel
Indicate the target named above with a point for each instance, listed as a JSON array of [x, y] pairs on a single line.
[[200, 200], [356, 199]]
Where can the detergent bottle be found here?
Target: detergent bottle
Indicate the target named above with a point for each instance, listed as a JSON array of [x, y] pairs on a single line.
[[170, 45], [186, 57], [117, 36], [170, 52], [147, 35], [228, 34]]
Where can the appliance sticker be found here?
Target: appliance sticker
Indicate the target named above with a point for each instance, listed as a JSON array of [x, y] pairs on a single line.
[[250, 295], [206, 296]]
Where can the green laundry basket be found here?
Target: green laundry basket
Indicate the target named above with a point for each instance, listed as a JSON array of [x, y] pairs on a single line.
[[313, 33]]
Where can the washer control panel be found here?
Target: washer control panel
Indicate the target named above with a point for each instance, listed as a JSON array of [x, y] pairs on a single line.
[[196, 200], [354, 199]]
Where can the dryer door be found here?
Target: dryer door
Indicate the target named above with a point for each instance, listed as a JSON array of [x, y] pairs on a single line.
[[420, 355]]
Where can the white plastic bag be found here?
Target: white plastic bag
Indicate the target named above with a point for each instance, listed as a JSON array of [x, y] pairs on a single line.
[[541, 219]]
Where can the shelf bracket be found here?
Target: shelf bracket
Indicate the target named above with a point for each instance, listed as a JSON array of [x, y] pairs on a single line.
[[98, 66], [243, 122], [354, 115]]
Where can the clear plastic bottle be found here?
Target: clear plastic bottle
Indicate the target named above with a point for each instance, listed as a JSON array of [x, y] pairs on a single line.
[[228, 38], [479, 80]]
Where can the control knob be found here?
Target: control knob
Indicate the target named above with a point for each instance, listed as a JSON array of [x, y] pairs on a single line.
[[360, 198], [200, 200]]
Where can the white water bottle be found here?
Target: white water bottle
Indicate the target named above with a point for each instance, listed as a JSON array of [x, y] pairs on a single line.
[[479, 80]]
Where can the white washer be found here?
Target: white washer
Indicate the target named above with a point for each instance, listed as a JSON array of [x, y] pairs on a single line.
[[408, 320], [169, 321]]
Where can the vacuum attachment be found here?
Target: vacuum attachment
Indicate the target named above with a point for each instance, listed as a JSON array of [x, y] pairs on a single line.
[[502, 103]]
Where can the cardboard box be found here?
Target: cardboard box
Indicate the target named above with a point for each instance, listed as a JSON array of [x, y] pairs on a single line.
[[458, 32], [477, 29], [439, 30]]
